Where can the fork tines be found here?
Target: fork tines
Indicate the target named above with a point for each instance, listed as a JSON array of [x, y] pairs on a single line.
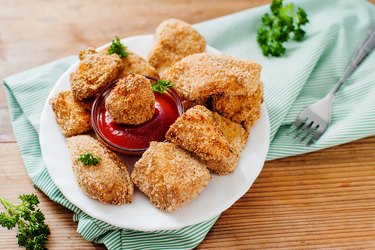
[[307, 127]]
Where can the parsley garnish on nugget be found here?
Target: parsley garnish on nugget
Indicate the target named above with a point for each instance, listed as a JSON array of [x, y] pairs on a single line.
[[161, 86], [89, 159], [118, 48], [278, 26], [32, 230]]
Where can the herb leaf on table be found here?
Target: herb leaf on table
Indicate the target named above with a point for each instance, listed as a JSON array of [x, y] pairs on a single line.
[[32, 230]]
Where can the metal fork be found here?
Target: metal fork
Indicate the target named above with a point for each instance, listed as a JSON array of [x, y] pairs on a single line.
[[316, 117]]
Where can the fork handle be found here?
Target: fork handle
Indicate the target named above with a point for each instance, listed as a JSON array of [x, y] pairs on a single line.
[[366, 47]]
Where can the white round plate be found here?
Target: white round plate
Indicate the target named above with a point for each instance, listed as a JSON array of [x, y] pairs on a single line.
[[219, 195]]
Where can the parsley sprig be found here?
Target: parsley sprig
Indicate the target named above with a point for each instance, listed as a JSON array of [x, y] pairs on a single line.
[[32, 230], [118, 48], [278, 26], [161, 86], [89, 159]]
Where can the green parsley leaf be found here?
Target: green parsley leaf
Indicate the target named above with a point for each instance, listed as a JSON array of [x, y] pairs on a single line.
[[118, 48], [161, 86], [89, 159], [32, 230], [278, 26], [301, 17]]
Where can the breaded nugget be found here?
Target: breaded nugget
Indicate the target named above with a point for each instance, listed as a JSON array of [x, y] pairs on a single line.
[[132, 101], [236, 135], [254, 115], [94, 73], [197, 132], [202, 75], [131, 64], [134, 64], [109, 181], [240, 108], [73, 117], [174, 40], [169, 176]]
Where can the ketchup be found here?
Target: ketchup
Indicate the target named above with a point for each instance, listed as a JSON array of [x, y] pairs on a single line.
[[140, 136]]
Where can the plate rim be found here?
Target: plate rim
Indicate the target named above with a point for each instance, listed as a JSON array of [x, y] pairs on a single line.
[[207, 217]]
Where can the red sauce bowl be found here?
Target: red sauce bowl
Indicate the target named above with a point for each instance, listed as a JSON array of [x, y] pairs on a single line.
[[133, 140]]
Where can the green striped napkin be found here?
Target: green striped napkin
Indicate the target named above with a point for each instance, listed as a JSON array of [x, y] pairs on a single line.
[[301, 77]]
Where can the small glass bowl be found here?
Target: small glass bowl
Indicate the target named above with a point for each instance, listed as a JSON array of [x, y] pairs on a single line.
[[100, 101]]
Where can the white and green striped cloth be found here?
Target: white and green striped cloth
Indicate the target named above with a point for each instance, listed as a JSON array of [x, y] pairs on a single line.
[[301, 77]]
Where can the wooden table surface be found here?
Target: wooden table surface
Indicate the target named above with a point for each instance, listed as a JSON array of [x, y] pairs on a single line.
[[319, 200]]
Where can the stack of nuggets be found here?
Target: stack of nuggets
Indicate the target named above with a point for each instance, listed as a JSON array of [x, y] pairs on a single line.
[[233, 85], [173, 173], [222, 96], [232, 88], [95, 71]]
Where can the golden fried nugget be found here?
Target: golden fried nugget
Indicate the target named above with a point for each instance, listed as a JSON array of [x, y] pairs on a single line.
[[169, 176], [131, 64], [134, 64], [73, 117], [94, 73], [175, 40], [254, 115], [132, 101], [109, 181], [236, 135], [202, 75], [240, 108], [198, 132]]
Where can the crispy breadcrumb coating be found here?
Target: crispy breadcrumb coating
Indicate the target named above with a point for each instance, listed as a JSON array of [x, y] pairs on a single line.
[[73, 117], [202, 75], [236, 135], [174, 40], [134, 64], [94, 73], [169, 176], [109, 181], [252, 118], [131, 64], [240, 108], [197, 131], [132, 101]]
